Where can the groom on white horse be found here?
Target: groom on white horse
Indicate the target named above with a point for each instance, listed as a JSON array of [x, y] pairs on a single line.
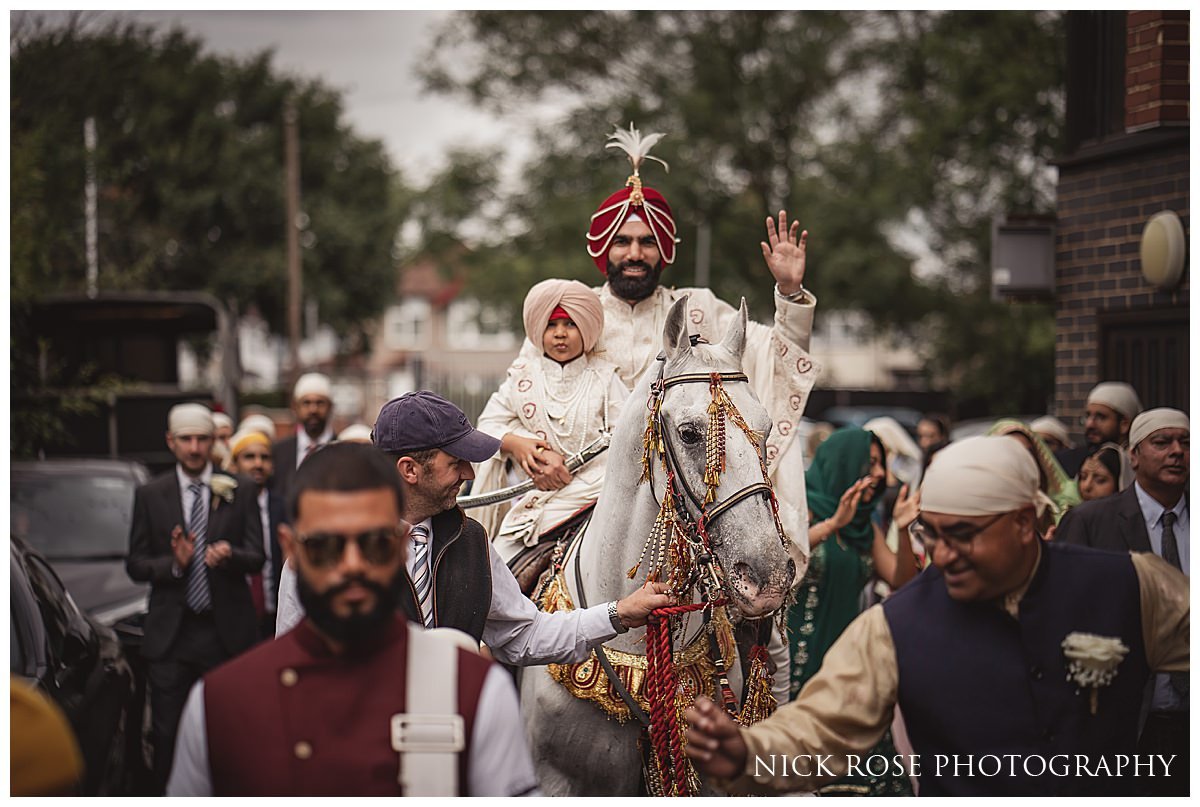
[[632, 239]]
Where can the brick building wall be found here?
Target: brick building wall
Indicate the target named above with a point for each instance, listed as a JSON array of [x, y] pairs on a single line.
[[1102, 208], [1107, 191]]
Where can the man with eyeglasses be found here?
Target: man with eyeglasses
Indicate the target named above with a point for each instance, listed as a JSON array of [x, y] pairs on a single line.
[[1111, 408], [336, 705], [974, 652], [454, 576], [1151, 515]]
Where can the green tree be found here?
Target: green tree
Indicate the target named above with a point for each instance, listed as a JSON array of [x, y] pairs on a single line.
[[189, 168], [189, 172], [867, 126]]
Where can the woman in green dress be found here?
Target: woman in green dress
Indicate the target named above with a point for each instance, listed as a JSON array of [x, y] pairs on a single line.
[[847, 549]]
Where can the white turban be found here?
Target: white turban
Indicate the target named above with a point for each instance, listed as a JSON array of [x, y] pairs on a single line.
[[904, 456], [1053, 427], [260, 423], [189, 418], [1116, 395], [981, 476], [313, 384], [221, 419], [356, 433], [1152, 420]]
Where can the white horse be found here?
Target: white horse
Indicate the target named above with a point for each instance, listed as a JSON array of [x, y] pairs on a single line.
[[577, 748]]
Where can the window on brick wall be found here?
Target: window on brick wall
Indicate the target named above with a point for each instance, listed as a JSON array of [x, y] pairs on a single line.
[[1096, 47], [1148, 349]]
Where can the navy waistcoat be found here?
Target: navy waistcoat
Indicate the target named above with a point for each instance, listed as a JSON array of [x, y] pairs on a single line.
[[974, 681]]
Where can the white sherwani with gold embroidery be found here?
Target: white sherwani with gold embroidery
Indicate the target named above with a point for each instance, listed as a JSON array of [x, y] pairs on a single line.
[[566, 405], [776, 361]]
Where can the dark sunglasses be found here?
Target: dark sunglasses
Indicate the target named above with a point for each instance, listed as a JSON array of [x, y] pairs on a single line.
[[378, 547]]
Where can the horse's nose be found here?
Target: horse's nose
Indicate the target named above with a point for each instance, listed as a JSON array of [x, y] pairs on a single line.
[[747, 579]]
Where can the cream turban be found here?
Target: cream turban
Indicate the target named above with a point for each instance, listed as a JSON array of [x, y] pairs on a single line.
[[357, 433], [259, 423], [981, 476], [312, 384], [1116, 395], [904, 457], [189, 418], [1152, 420], [577, 299], [221, 419], [246, 438], [1053, 427]]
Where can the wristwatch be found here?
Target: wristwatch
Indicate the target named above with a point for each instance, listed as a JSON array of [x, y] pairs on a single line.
[[614, 619], [800, 296]]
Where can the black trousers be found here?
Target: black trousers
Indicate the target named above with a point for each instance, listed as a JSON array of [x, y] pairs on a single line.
[[1166, 733], [196, 650]]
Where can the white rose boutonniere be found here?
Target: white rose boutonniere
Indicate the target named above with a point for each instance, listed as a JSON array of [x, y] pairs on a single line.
[[223, 487], [1093, 661]]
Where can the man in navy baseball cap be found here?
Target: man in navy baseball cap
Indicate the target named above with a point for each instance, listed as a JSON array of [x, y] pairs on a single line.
[[453, 576], [422, 421]]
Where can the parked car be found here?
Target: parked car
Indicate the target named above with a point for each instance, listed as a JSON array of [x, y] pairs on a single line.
[[79, 663], [77, 514]]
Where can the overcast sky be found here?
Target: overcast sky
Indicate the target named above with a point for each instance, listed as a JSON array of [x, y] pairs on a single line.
[[368, 55]]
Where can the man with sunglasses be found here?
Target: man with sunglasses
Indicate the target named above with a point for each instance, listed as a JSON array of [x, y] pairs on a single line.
[[454, 576], [975, 653], [334, 707]]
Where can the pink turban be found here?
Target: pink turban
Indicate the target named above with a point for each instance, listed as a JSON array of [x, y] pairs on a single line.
[[577, 299]]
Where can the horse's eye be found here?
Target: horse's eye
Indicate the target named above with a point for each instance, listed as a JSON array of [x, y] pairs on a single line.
[[690, 434]]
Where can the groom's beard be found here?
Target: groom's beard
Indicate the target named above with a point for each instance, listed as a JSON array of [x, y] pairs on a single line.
[[633, 289]]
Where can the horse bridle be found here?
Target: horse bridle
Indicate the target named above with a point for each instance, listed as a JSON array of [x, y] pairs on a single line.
[[708, 514]]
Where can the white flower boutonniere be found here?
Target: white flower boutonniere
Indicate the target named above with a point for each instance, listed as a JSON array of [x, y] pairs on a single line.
[[1093, 661], [223, 487]]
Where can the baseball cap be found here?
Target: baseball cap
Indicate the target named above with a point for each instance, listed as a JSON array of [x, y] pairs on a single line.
[[421, 420]]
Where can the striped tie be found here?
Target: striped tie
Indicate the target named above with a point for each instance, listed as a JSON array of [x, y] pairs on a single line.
[[420, 536], [198, 597]]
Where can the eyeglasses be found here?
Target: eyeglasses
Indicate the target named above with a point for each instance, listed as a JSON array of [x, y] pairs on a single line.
[[378, 547], [961, 540]]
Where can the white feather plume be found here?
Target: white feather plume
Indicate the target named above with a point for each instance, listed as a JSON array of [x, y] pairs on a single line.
[[637, 147]]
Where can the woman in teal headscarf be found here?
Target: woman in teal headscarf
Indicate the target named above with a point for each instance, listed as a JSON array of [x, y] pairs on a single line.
[[847, 548]]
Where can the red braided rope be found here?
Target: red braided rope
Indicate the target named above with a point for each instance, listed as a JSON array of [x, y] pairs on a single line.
[[661, 685]]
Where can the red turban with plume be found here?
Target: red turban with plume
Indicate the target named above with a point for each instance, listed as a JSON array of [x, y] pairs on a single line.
[[647, 203]]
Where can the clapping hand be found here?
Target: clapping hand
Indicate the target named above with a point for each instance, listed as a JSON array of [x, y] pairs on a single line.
[[183, 545]]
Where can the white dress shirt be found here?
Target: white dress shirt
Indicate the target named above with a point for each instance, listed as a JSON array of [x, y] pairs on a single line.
[[185, 489], [1153, 512]]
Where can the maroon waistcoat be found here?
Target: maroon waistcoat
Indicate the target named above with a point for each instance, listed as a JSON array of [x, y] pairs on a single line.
[[290, 718]]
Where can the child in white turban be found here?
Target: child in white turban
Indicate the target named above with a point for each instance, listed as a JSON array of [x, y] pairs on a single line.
[[546, 410]]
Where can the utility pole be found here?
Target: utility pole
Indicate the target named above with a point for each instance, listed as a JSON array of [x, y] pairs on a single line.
[[291, 139], [89, 207]]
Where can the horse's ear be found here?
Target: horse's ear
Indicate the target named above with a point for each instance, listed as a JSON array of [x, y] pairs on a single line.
[[735, 335], [675, 334]]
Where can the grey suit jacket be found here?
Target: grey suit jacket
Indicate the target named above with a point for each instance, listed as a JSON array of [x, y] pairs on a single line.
[[1114, 522]]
